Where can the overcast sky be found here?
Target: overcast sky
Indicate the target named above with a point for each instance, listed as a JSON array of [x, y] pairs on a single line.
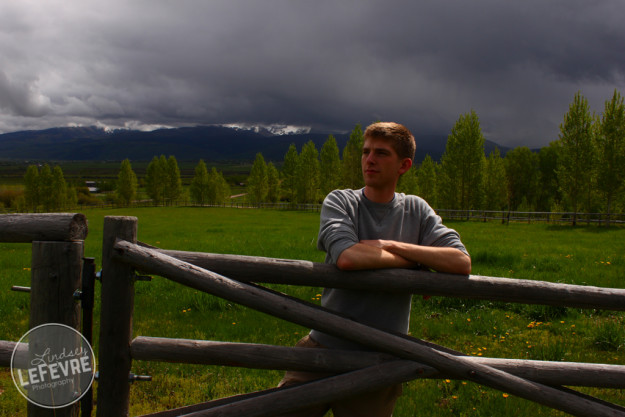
[[324, 64]]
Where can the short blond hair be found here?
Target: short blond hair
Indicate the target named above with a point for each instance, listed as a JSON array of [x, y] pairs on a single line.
[[398, 135]]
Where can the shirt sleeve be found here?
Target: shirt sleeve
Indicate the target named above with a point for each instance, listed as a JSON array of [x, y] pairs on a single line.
[[338, 229], [435, 233]]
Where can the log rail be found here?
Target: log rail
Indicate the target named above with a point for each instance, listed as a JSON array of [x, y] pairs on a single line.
[[296, 272]]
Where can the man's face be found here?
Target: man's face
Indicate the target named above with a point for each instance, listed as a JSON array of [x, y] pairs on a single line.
[[381, 166]]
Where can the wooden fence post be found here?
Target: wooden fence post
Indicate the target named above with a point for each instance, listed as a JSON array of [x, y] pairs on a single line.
[[56, 274], [117, 305]]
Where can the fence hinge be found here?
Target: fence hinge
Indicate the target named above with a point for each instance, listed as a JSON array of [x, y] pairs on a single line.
[[133, 377], [143, 277]]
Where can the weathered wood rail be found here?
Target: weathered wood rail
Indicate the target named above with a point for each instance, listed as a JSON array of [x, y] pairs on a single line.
[[58, 227], [401, 357], [295, 272], [259, 356]]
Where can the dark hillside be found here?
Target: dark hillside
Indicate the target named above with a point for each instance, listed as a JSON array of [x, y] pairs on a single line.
[[211, 143]]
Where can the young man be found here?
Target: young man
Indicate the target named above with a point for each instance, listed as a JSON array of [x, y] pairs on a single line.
[[372, 228]]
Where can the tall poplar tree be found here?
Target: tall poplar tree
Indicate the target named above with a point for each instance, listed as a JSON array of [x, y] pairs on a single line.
[[288, 173], [126, 184], [31, 188], [307, 174], [462, 165], [408, 182], [330, 165], [576, 153], [522, 174], [218, 188], [46, 190], [352, 156], [257, 184], [610, 142], [548, 189], [427, 183], [59, 197], [273, 183], [495, 182], [155, 179], [199, 184], [173, 182]]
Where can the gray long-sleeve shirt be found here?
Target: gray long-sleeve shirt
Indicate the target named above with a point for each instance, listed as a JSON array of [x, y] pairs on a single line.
[[348, 217]]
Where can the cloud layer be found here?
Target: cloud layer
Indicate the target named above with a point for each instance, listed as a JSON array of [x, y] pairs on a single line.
[[323, 64]]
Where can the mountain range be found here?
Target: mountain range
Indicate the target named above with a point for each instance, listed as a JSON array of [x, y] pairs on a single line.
[[211, 143]]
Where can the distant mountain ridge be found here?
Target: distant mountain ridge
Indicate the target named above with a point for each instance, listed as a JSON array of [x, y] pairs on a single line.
[[211, 143]]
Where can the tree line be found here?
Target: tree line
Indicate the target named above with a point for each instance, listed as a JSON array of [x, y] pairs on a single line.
[[582, 171], [163, 183]]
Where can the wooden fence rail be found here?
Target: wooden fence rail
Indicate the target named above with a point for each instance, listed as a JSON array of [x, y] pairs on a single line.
[[311, 316], [257, 356], [286, 271], [25, 228]]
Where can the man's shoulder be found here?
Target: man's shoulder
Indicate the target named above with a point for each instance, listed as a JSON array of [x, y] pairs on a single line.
[[411, 200], [345, 195]]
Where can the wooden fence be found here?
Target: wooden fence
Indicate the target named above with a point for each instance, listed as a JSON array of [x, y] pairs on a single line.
[[398, 358], [503, 216]]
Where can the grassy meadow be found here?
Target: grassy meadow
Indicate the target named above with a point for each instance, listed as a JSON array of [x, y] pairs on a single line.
[[579, 255]]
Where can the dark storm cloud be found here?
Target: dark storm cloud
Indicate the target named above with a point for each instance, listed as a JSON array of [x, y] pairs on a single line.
[[325, 64]]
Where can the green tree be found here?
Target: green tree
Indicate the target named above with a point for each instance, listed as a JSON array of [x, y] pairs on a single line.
[[72, 197], [273, 183], [289, 168], [155, 179], [462, 165], [495, 182], [31, 188], [330, 166], [218, 188], [257, 184], [548, 189], [522, 173], [427, 184], [59, 196], [199, 184], [173, 188], [307, 174], [610, 144], [408, 182], [46, 190], [352, 157], [126, 184], [576, 153]]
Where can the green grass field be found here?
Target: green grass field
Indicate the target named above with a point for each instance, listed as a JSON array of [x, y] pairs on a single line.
[[581, 255]]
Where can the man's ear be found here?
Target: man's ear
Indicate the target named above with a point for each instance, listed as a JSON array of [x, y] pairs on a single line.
[[406, 163]]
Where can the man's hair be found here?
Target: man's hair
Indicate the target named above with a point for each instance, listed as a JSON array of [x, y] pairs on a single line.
[[398, 135]]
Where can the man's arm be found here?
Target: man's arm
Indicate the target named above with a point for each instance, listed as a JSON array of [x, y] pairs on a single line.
[[365, 256], [373, 254]]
